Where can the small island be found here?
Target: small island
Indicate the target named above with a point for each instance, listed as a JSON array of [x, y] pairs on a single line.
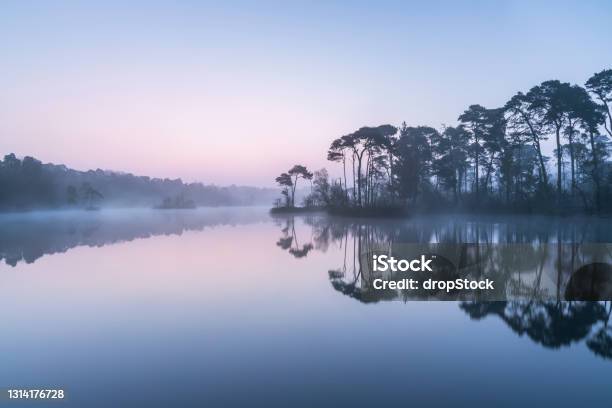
[[493, 161]]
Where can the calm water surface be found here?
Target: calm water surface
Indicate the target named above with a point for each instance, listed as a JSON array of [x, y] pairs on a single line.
[[232, 307]]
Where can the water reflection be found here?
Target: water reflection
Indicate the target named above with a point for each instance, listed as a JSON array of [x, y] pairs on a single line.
[[289, 241], [28, 236], [214, 317], [553, 324], [552, 268], [529, 258]]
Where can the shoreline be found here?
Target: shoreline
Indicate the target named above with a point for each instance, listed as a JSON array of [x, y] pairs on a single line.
[[404, 213]]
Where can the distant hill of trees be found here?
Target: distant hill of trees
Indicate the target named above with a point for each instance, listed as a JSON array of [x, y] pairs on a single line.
[[28, 183]]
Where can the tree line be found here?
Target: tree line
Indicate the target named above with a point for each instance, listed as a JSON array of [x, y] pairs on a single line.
[[494, 158], [28, 183]]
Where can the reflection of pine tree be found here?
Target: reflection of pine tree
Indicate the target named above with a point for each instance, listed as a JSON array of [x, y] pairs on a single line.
[[289, 238], [601, 342], [552, 324]]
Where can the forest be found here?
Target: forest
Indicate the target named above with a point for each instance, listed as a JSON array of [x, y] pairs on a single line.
[[545, 150], [27, 184]]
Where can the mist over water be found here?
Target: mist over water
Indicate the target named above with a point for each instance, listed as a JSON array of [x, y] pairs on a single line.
[[220, 306]]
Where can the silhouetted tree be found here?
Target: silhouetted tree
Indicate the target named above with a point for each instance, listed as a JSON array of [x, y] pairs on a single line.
[[600, 84], [368, 142], [450, 154], [493, 159], [552, 98], [589, 117], [412, 166], [321, 191], [286, 183], [337, 153], [296, 172], [475, 121], [525, 117]]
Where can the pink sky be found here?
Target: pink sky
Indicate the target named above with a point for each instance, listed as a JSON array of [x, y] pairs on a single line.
[[239, 93]]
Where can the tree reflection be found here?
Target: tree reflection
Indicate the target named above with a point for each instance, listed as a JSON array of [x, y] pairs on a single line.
[[26, 237], [545, 264], [601, 342], [552, 324], [289, 241]]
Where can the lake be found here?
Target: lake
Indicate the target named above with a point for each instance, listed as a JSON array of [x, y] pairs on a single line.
[[233, 307]]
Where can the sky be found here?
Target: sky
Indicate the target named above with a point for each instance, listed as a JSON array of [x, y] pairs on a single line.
[[238, 92]]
